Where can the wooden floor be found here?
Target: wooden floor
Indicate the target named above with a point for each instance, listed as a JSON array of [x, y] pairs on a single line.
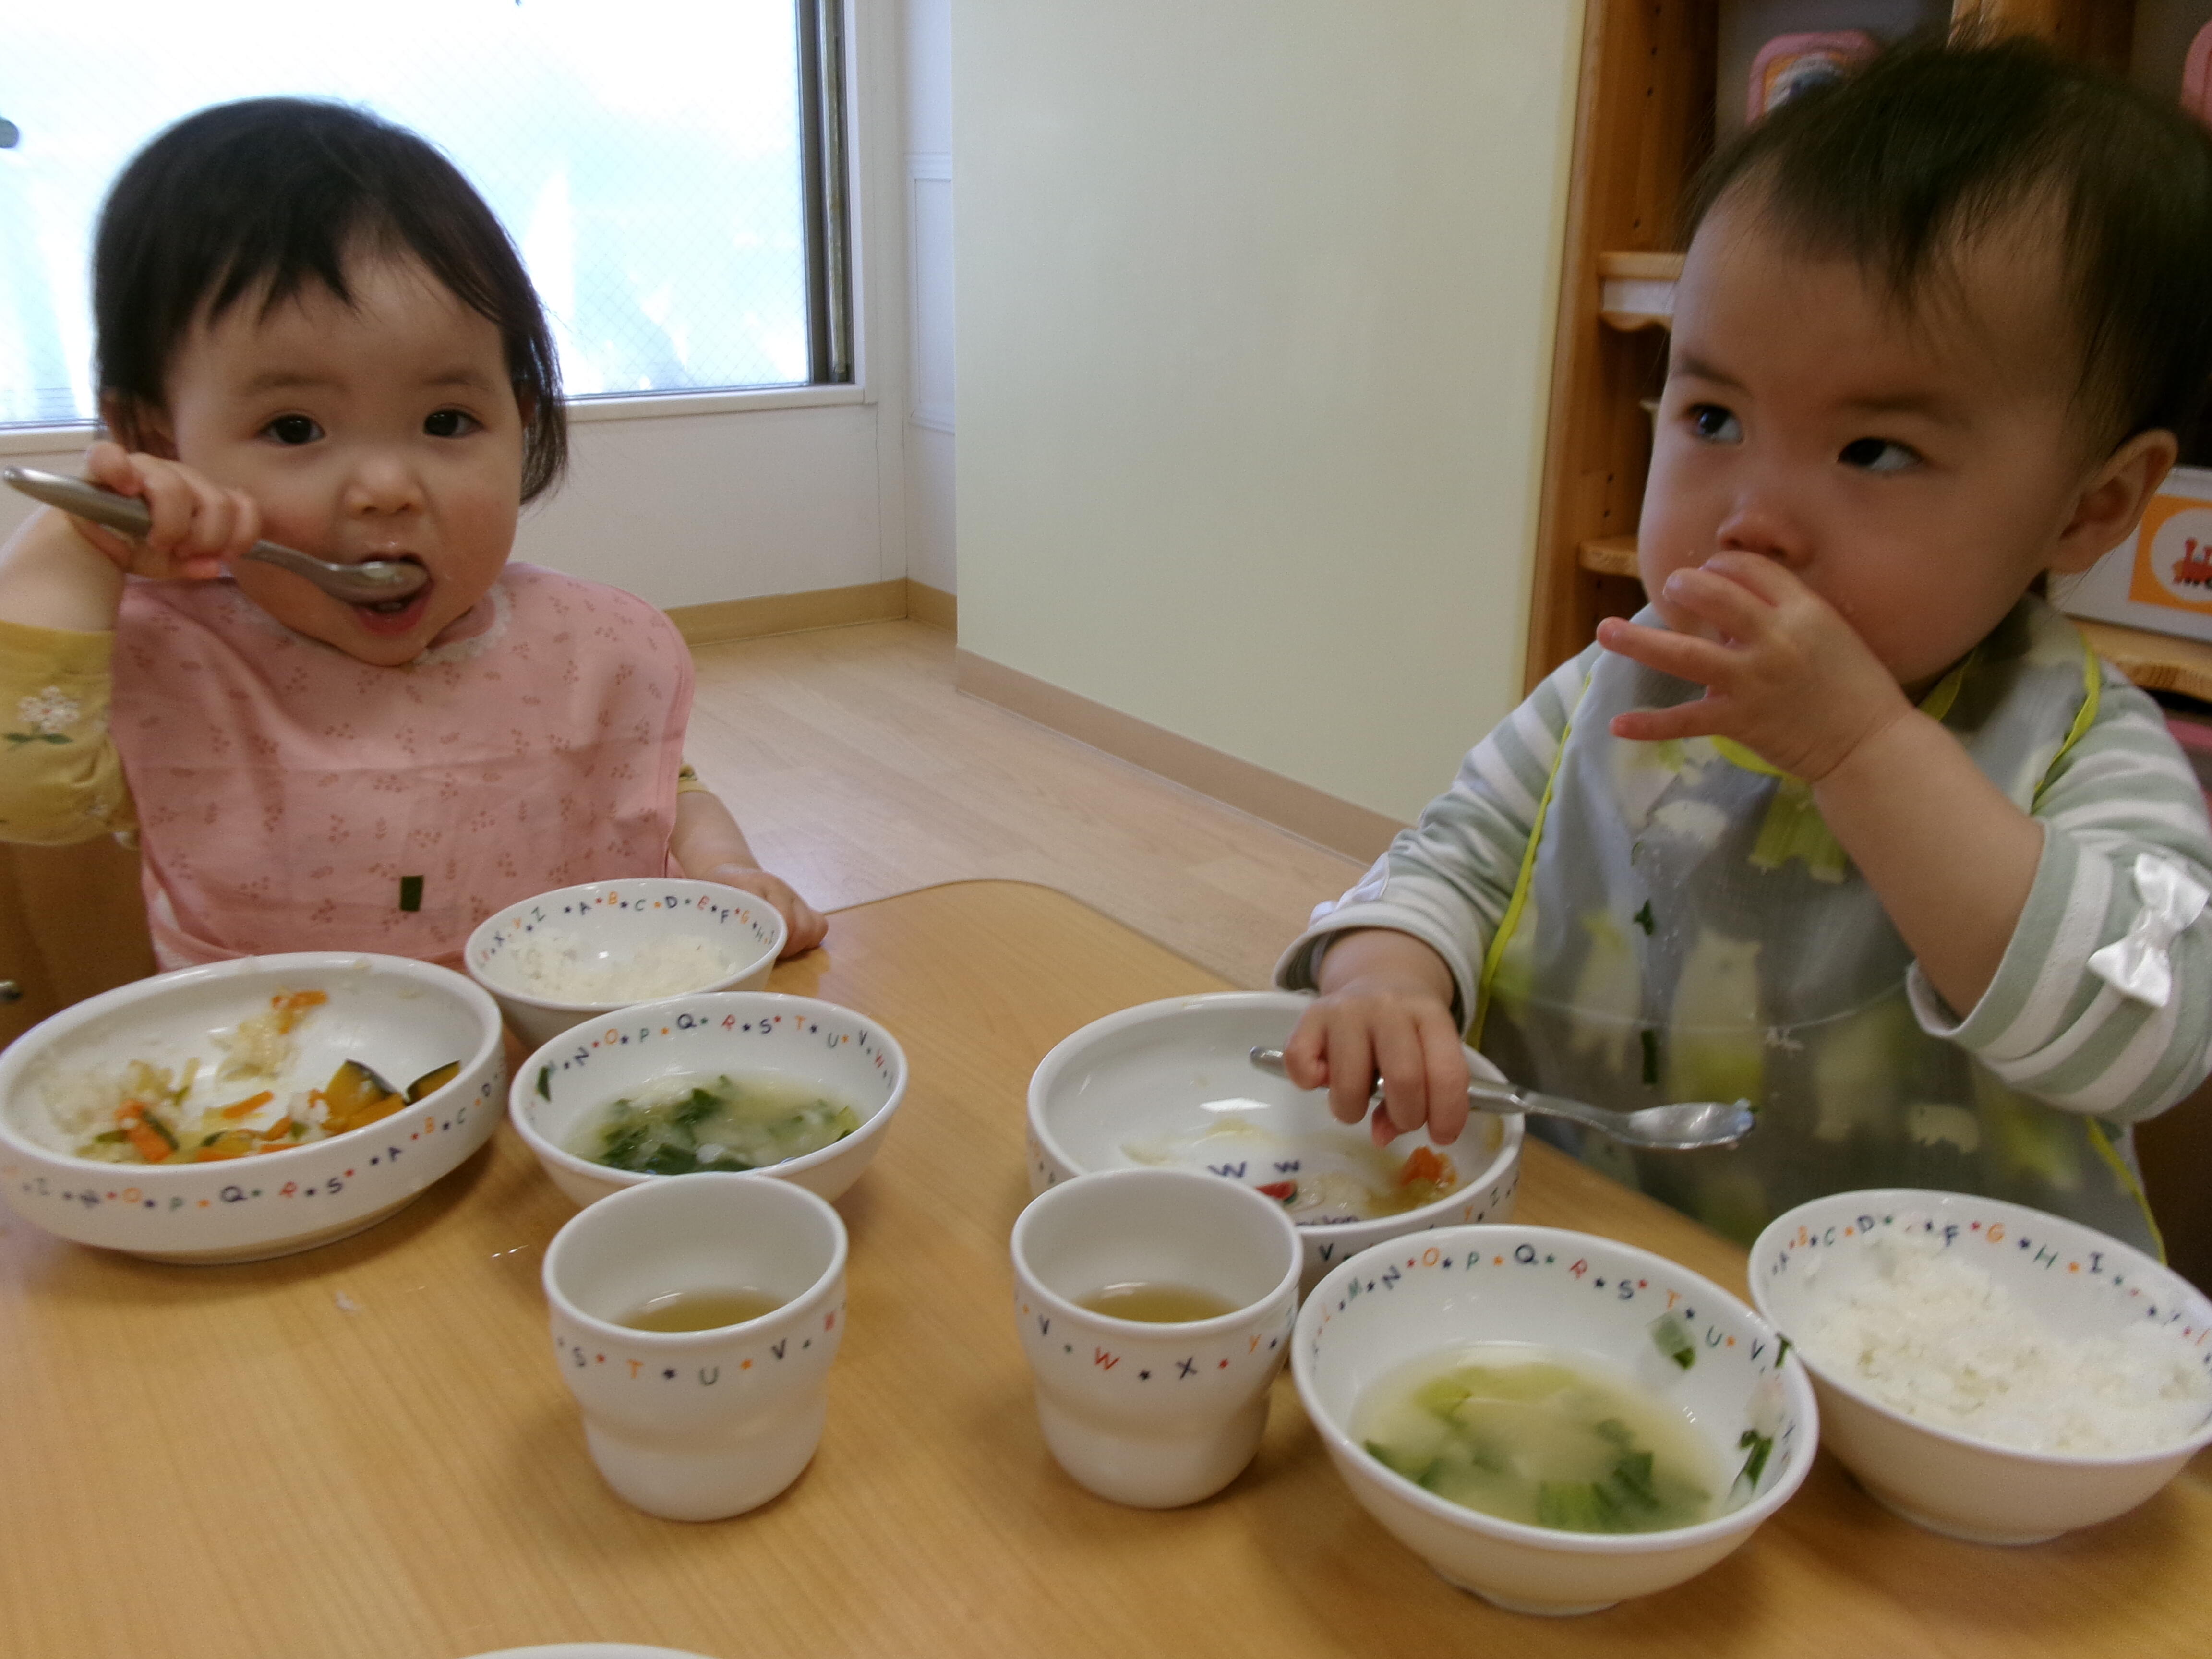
[[859, 772]]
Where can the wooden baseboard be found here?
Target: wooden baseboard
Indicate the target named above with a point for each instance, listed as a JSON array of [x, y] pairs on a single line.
[[1297, 807], [932, 607], [790, 613], [824, 607]]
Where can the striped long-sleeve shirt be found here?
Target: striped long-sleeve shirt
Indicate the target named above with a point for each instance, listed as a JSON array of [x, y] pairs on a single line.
[[2047, 1026]]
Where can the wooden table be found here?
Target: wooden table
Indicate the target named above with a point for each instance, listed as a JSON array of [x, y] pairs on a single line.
[[365, 1451]]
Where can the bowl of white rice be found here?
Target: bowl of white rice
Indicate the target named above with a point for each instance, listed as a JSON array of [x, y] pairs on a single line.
[[1987, 1371], [568, 957]]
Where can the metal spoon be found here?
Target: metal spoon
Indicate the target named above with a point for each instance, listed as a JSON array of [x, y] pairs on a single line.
[[374, 582], [1687, 1126]]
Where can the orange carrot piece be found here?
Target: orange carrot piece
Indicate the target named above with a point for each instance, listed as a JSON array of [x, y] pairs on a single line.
[[291, 1007], [245, 1107], [1423, 1165], [280, 1130], [145, 1137]]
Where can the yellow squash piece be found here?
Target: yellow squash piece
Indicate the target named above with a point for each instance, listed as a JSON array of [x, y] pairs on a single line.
[[430, 1082], [355, 1096]]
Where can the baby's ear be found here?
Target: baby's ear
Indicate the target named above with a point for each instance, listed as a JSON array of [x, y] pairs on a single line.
[[136, 424], [2112, 501]]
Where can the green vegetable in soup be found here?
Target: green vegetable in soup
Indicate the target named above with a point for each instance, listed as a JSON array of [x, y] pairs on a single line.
[[683, 1125], [1540, 1437]]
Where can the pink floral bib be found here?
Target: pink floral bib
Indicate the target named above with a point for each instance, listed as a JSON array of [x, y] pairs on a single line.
[[291, 798]]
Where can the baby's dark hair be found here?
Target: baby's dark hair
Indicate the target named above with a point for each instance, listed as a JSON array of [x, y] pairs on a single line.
[[1933, 143], [261, 197]]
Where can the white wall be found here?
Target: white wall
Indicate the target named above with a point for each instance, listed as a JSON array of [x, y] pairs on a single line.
[[1256, 302], [688, 510], [931, 555]]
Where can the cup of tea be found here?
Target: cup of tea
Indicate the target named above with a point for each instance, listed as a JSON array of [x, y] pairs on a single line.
[[695, 1321], [1155, 1308]]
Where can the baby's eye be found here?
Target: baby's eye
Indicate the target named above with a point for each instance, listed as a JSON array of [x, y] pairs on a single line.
[[293, 430], [1878, 455], [1715, 424], [449, 423]]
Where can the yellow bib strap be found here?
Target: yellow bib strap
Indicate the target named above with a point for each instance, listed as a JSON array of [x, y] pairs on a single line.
[[1522, 882]]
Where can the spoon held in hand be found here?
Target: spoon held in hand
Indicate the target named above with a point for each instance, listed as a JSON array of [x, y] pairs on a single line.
[[1686, 1126]]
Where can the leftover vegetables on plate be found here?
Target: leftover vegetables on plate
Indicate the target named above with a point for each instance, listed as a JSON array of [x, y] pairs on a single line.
[[1319, 1178], [204, 1113]]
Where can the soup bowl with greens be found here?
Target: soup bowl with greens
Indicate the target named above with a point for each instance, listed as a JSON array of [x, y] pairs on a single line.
[[1553, 1420], [727, 1081]]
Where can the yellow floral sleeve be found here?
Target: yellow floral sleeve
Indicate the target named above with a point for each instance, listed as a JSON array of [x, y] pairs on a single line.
[[61, 780]]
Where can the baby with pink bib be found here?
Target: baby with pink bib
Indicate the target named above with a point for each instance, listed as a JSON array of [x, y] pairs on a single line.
[[311, 329]]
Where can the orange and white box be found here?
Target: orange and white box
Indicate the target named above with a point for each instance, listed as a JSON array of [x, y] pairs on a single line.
[[2162, 579]]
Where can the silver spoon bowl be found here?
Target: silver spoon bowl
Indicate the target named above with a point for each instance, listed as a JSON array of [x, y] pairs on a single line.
[[1687, 1126], [374, 582]]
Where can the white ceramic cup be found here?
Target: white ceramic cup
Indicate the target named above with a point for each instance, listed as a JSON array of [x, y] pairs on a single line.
[[1154, 1415], [693, 1425]]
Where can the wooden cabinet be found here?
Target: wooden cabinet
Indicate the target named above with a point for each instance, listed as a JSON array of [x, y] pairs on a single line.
[[71, 925]]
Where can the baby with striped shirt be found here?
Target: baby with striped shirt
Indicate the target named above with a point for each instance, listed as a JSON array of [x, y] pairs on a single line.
[[1850, 822]]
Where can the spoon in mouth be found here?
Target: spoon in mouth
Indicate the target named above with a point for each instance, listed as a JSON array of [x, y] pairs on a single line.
[[1687, 1126], [374, 582]]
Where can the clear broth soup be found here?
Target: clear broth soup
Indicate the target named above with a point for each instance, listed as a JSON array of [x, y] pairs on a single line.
[[1155, 1302], [1539, 1435], [699, 1310], [682, 1125]]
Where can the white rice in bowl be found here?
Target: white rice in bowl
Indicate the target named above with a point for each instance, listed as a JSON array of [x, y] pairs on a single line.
[[562, 967], [1937, 1338]]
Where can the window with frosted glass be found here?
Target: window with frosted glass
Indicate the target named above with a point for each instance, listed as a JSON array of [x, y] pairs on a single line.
[[649, 157]]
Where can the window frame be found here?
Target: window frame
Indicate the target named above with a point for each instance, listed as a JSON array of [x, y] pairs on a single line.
[[826, 151]]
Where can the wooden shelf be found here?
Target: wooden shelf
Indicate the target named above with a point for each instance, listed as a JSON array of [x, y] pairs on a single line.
[[2156, 662], [1608, 555], [1637, 290]]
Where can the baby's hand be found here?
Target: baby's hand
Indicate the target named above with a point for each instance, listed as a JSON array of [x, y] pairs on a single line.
[[1786, 677], [199, 527], [805, 926], [1389, 1021]]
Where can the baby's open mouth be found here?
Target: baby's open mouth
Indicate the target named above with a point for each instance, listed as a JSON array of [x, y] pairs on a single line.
[[384, 614]]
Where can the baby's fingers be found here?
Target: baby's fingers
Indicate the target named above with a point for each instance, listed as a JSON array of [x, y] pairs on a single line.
[[1700, 719], [1399, 1056], [1684, 656], [1350, 1059], [220, 526], [1447, 1070], [806, 926], [1736, 610], [1302, 1055]]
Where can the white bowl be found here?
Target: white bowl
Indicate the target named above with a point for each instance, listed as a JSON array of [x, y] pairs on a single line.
[[751, 1032], [400, 1018], [613, 918], [1393, 1304], [1163, 1069], [2077, 1280]]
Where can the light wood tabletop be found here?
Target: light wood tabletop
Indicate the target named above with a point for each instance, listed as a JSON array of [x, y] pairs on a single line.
[[365, 1451]]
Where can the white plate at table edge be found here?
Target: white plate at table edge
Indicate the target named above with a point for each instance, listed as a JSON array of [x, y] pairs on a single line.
[[589, 1651]]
